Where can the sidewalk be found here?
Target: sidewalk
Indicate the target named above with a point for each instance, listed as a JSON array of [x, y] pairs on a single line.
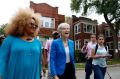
[[113, 70]]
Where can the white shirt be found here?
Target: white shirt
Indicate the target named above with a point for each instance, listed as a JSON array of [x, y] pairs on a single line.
[[67, 54], [48, 47], [100, 61], [90, 46]]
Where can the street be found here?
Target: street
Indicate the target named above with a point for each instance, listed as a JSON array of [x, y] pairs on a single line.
[[114, 72]]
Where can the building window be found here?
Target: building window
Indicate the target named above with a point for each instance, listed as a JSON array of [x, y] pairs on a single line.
[[94, 29], [108, 33], [110, 45], [48, 22], [77, 44], [119, 33], [42, 23], [119, 45], [84, 28], [77, 28], [89, 28], [52, 23]]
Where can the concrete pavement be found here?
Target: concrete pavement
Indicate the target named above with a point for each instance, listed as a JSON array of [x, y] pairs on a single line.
[[114, 72]]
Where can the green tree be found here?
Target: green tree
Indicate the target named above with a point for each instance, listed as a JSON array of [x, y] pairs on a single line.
[[2, 28], [110, 9]]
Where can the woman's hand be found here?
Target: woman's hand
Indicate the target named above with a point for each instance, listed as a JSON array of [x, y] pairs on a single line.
[[103, 56], [99, 56], [108, 56], [56, 77], [44, 69]]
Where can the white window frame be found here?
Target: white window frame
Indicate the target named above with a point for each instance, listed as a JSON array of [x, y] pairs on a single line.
[[109, 45], [77, 44], [119, 33], [47, 24], [49, 20], [94, 29], [109, 33], [119, 45], [86, 26], [77, 28]]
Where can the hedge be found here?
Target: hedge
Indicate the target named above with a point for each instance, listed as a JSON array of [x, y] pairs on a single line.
[[79, 56]]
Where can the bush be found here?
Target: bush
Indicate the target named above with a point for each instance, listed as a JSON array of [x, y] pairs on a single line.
[[79, 56]]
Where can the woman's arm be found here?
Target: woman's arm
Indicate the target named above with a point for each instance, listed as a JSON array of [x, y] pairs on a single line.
[[4, 53]]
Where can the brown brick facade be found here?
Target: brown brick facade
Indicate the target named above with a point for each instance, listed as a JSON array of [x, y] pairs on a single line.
[[83, 35], [47, 11]]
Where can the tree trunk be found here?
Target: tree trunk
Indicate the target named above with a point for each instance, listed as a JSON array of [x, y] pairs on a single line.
[[115, 37], [115, 43]]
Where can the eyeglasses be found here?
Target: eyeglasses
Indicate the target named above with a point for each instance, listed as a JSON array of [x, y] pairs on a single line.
[[101, 39], [65, 28], [93, 37], [34, 25]]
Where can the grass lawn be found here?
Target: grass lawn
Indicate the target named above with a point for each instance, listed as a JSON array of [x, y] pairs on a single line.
[[113, 61], [110, 62]]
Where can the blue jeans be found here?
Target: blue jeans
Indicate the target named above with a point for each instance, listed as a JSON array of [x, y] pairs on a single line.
[[99, 72], [88, 68]]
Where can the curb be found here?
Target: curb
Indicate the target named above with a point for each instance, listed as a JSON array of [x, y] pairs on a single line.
[[115, 65]]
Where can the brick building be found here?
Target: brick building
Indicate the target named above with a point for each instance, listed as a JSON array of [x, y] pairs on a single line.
[[82, 29], [50, 19]]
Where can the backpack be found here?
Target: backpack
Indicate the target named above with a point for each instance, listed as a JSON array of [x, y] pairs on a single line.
[[96, 47]]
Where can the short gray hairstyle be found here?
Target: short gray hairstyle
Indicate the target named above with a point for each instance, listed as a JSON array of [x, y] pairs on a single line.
[[61, 26]]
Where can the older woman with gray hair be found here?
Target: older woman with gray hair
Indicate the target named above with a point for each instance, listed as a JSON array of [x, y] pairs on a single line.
[[62, 55]]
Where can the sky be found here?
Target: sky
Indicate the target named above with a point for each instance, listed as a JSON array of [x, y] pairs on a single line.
[[9, 7]]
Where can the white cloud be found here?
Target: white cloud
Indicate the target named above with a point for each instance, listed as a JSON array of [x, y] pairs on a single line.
[[9, 7]]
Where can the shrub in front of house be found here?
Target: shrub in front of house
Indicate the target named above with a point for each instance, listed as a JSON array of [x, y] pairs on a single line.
[[79, 56]]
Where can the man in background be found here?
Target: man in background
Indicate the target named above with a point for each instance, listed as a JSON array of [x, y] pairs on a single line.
[[2, 37], [88, 65], [84, 50], [47, 49]]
